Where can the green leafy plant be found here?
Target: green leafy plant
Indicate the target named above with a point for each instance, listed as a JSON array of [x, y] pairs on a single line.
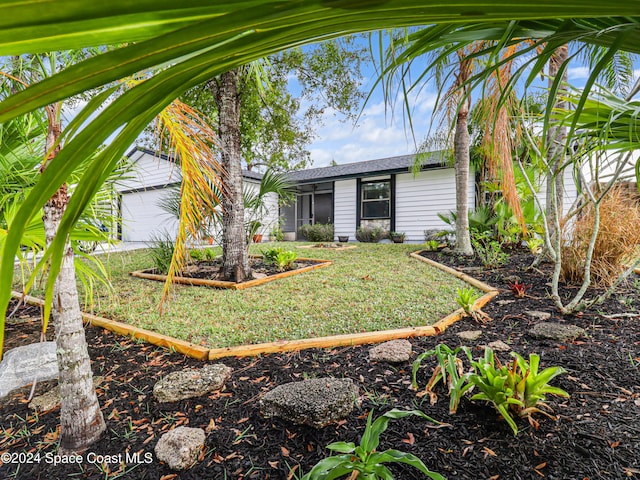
[[488, 250], [432, 245], [197, 254], [364, 459], [210, 254], [535, 244], [466, 297], [449, 370], [161, 252], [276, 234], [318, 232], [397, 237], [282, 259], [517, 388], [370, 234]]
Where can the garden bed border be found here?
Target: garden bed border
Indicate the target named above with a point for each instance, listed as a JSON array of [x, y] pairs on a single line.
[[202, 353], [336, 249], [233, 285]]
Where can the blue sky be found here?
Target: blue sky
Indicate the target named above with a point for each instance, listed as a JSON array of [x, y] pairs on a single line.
[[381, 134]]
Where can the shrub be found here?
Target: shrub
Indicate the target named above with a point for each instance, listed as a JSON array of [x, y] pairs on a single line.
[[276, 234], [319, 232], [616, 243], [370, 234], [283, 260], [161, 251], [488, 250]]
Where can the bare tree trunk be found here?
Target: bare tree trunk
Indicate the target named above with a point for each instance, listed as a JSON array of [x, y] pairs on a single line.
[[81, 420], [461, 154], [556, 137], [235, 258]]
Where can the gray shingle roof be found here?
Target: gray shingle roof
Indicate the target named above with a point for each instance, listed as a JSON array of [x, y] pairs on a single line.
[[367, 168]]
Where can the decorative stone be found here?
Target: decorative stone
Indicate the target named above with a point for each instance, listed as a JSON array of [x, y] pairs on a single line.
[[499, 346], [502, 303], [556, 331], [316, 402], [190, 383], [22, 365], [537, 315], [258, 275], [179, 448], [472, 269], [394, 351], [469, 335], [51, 398]]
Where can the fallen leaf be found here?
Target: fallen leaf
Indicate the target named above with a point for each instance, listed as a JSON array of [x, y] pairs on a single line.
[[410, 440], [540, 466], [273, 464], [285, 452], [487, 451]]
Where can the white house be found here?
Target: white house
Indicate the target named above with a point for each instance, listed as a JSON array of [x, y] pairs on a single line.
[[152, 178]]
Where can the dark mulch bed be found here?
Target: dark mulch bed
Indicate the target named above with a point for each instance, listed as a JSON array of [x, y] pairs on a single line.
[[211, 270], [596, 435]]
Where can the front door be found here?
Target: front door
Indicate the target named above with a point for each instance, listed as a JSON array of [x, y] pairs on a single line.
[[304, 213]]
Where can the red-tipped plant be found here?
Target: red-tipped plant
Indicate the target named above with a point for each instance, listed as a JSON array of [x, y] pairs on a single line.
[[519, 289]]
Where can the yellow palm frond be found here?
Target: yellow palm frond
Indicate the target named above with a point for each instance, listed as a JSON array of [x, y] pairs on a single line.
[[192, 143]]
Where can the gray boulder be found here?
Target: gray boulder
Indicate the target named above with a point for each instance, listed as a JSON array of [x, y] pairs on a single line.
[[394, 351], [179, 448], [499, 346], [191, 383], [556, 331], [317, 402], [536, 315], [22, 365]]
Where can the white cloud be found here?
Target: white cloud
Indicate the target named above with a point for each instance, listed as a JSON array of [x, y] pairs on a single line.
[[578, 73]]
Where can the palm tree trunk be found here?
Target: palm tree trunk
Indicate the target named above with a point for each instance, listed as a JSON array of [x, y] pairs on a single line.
[[556, 136], [81, 420], [235, 258], [461, 142]]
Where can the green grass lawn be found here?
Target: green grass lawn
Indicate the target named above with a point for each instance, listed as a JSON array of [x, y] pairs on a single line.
[[372, 287]]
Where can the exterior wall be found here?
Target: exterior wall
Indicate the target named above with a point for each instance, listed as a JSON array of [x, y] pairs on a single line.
[[420, 198], [143, 219], [344, 208], [570, 191], [149, 172]]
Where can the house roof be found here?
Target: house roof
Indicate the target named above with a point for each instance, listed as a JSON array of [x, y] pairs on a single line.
[[245, 173], [399, 164]]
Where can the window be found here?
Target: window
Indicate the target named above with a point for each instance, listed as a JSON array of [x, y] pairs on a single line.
[[376, 199]]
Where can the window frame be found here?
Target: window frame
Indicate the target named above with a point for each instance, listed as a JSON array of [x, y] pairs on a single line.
[[363, 200]]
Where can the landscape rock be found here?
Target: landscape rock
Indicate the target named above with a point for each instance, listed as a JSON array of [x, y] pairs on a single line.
[[51, 398], [190, 383], [499, 346], [556, 331], [258, 275], [22, 365], [394, 351], [469, 335], [502, 303], [316, 402], [536, 315], [179, 448]]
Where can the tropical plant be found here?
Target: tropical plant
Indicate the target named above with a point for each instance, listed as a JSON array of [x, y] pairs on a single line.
[[488, 249], [519, 289], [432, 245], [285, 260], [318, 232], [370, 234], [466, 297], [276, 233], [517, 388], [397, 237], [363, 461], [161, 252], [449, 370]]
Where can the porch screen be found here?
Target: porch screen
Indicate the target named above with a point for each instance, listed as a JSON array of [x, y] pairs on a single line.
[[376, 199]]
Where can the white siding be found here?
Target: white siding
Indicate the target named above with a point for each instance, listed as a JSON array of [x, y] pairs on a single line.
[[420, 198], [570, 191], [344, 208], [142, 218], [149, 171]]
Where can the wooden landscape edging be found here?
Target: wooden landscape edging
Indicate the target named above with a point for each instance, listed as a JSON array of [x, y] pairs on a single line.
[[186, 348], [233, 285], [201, 353], [365, 337]]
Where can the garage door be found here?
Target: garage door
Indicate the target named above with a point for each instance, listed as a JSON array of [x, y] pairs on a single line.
[[142, 218]]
